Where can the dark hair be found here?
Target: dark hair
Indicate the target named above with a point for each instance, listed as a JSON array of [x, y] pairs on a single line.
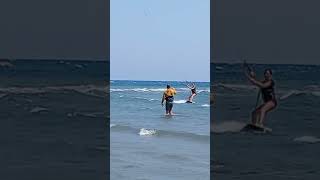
[[268, 70], [168, 86]]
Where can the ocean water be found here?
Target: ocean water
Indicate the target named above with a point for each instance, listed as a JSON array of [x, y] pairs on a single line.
[[54, 119], [146, 144], [291, 151]]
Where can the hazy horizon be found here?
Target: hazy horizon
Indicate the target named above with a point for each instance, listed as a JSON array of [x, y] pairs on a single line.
[[257, 62], [52, 59]]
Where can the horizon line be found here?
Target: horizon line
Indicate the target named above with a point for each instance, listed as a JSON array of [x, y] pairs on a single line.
[[53, 59], [158, 80], [296, 64]]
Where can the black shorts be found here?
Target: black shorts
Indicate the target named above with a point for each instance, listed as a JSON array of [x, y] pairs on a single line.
[[169, 105]]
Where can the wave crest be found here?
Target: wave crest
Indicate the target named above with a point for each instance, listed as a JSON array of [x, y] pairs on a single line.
[[155, 90], [295, 93], [90, 90], [147, 132], [307, 139], [161, 133]]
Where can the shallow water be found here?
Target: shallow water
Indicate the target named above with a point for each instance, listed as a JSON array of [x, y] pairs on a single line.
[[146, 144]]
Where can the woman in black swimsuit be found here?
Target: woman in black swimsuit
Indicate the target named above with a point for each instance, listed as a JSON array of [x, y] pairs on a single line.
[[192, 87], [268, 95]]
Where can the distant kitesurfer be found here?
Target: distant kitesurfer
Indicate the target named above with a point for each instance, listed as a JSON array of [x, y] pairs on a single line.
[[266, 87], [168, 96], [192, 87]]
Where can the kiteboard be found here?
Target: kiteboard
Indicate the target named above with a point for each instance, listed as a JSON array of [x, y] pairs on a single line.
[[254, 128]]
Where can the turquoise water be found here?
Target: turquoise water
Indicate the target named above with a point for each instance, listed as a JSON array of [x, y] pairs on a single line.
[[146, 144]]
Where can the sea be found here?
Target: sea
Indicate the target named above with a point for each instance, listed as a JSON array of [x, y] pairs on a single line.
[[54, 119], [145, 144], [291, 150]]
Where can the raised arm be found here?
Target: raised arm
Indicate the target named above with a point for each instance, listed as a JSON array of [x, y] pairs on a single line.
[[188, 86], [258, 83]]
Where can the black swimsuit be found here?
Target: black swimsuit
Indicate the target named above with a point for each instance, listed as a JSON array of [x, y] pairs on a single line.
[[169, 103], [193, 91], [268, 93]]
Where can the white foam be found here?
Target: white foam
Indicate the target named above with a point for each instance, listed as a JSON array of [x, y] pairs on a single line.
[[91, 90], [154, 90], [112, 125], [316, 93], [206, 90], [38, 109], [79, 66], [291, 93], [184, 89], [219, 68], [205, 105], [117, 90], [312, 87], [140, 89], [307, 139], [6, 64], [157, 89], [147, 132], [179, 101], [228, 126], [235, 87]]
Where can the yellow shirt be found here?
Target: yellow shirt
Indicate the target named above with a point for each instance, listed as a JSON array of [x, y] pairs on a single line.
[[170, 92]]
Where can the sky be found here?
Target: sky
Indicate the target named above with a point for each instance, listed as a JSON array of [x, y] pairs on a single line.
[[50, 29], [266, 31], [160, 40]]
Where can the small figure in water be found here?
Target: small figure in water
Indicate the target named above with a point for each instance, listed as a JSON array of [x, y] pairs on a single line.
[[192, 87], [268, 95], [168, 96]]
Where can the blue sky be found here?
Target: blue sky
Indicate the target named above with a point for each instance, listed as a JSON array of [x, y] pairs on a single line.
[[160, 40]]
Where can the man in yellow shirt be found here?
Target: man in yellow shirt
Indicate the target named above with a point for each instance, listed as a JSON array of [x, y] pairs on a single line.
[[168, 96]]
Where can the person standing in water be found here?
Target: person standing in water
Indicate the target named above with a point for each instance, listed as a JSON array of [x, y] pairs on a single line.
[[266, 87], [168, 96], [192, 87]]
